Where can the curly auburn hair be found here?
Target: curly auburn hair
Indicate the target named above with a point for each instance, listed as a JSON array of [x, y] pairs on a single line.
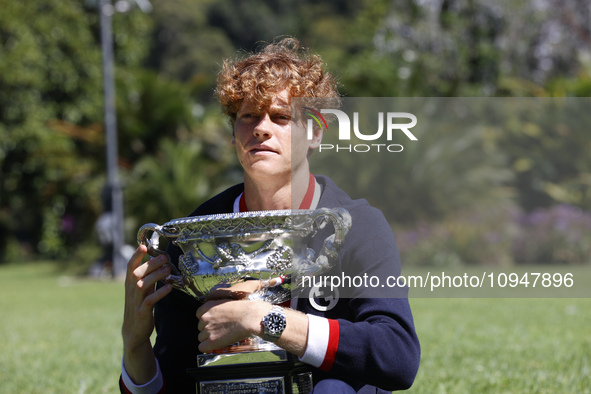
[[280, 65]]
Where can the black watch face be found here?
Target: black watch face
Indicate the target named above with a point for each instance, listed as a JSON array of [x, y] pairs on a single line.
[[276, 323]]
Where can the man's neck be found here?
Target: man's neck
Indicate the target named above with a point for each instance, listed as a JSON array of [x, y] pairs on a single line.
[[269, 195]]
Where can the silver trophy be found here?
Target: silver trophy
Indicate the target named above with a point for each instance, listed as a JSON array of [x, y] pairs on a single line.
[[270, 246]]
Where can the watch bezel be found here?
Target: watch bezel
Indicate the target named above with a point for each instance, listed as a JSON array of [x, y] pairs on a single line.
[[272, 330]]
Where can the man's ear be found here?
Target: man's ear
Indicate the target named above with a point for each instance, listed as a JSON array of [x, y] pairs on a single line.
[[316, 140]]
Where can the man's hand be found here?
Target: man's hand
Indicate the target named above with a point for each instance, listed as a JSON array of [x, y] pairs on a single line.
[[138, 318], [224, 322], [238, 291]]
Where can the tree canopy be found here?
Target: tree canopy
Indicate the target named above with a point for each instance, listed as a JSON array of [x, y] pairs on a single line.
[[52, 158]]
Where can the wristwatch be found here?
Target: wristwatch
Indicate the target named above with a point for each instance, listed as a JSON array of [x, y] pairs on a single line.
[[274, 324]]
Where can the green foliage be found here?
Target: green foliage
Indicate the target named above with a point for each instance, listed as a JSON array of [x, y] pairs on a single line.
[[452, 166], [501, 235], [172, 183], [577, 86], [186, 46], [470, 237], [52, 243], [547, 143], [51, 145], [48, 68], [559, 234], [179, 152], [471, 48], [152, 108]]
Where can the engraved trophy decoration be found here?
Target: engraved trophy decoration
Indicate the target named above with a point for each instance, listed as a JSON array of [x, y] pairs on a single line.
[[273, 246]]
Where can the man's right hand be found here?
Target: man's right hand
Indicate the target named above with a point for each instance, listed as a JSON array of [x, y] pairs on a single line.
[[138, 319]]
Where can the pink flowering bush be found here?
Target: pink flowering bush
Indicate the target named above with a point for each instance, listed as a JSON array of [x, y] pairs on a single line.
[[500, 236]]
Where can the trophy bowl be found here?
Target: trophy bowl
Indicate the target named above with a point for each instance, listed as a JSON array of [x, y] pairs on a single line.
[[271, 246]]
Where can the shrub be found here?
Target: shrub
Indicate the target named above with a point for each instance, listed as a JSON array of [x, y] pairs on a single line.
[[560, 234], [502, 235]]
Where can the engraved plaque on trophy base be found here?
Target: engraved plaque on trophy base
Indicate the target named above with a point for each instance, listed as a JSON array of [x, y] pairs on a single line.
[[268, 377]]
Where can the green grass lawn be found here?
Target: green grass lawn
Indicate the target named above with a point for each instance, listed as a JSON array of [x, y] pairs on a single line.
[[58, 335], [496, 345], [61, 335]]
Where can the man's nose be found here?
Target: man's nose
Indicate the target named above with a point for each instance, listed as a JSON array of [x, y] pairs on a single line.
[[264, 126]]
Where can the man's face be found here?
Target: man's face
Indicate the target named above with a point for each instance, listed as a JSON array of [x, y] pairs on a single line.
[[263, 140]]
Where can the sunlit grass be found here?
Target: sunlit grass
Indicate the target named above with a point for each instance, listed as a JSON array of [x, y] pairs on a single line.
[[59, 335], [62, 335], [503, 345]]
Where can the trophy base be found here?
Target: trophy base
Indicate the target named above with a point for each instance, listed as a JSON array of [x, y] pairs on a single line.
[[281, 377], [248, 351]]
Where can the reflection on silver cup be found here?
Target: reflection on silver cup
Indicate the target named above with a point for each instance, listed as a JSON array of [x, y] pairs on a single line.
[[225, 249]]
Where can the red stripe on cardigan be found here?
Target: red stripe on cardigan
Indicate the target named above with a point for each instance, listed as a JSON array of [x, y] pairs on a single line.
[[333, 345]]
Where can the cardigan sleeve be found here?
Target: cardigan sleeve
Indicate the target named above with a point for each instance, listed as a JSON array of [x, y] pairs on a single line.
[[369, 338]]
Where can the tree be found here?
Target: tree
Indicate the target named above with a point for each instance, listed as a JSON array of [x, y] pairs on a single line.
[[472, 47], [51, 150], [172, 183], [452, 166]]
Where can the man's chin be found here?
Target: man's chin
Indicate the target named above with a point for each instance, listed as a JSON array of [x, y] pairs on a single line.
[[267, 170]]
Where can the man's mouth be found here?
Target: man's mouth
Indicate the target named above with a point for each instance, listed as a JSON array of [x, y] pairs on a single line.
[[262, 148]]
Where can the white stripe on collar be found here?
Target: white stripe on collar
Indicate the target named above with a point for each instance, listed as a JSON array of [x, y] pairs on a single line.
[[317, 194], [236, 208]]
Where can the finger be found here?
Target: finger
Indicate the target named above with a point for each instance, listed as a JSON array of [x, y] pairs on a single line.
[[207, 346], [157, 295], [201, 325], [203, 336], [150, 266], [147, 282], [227, 293], [204, 347], [202, 309], [145, 309], [207, 306], [217, 294], [136, 259]]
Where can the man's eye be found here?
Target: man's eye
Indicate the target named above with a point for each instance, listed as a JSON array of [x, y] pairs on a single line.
[[248, 116]]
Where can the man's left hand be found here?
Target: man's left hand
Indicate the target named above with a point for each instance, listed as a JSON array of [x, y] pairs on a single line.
[[238, 291], [225, 322]]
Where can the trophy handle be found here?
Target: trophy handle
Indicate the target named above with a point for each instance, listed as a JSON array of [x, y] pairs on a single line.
[[341, 220], [154, 241], [175, 278]]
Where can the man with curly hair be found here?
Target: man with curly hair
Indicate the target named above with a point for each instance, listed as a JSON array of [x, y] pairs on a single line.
[[361, 344]]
